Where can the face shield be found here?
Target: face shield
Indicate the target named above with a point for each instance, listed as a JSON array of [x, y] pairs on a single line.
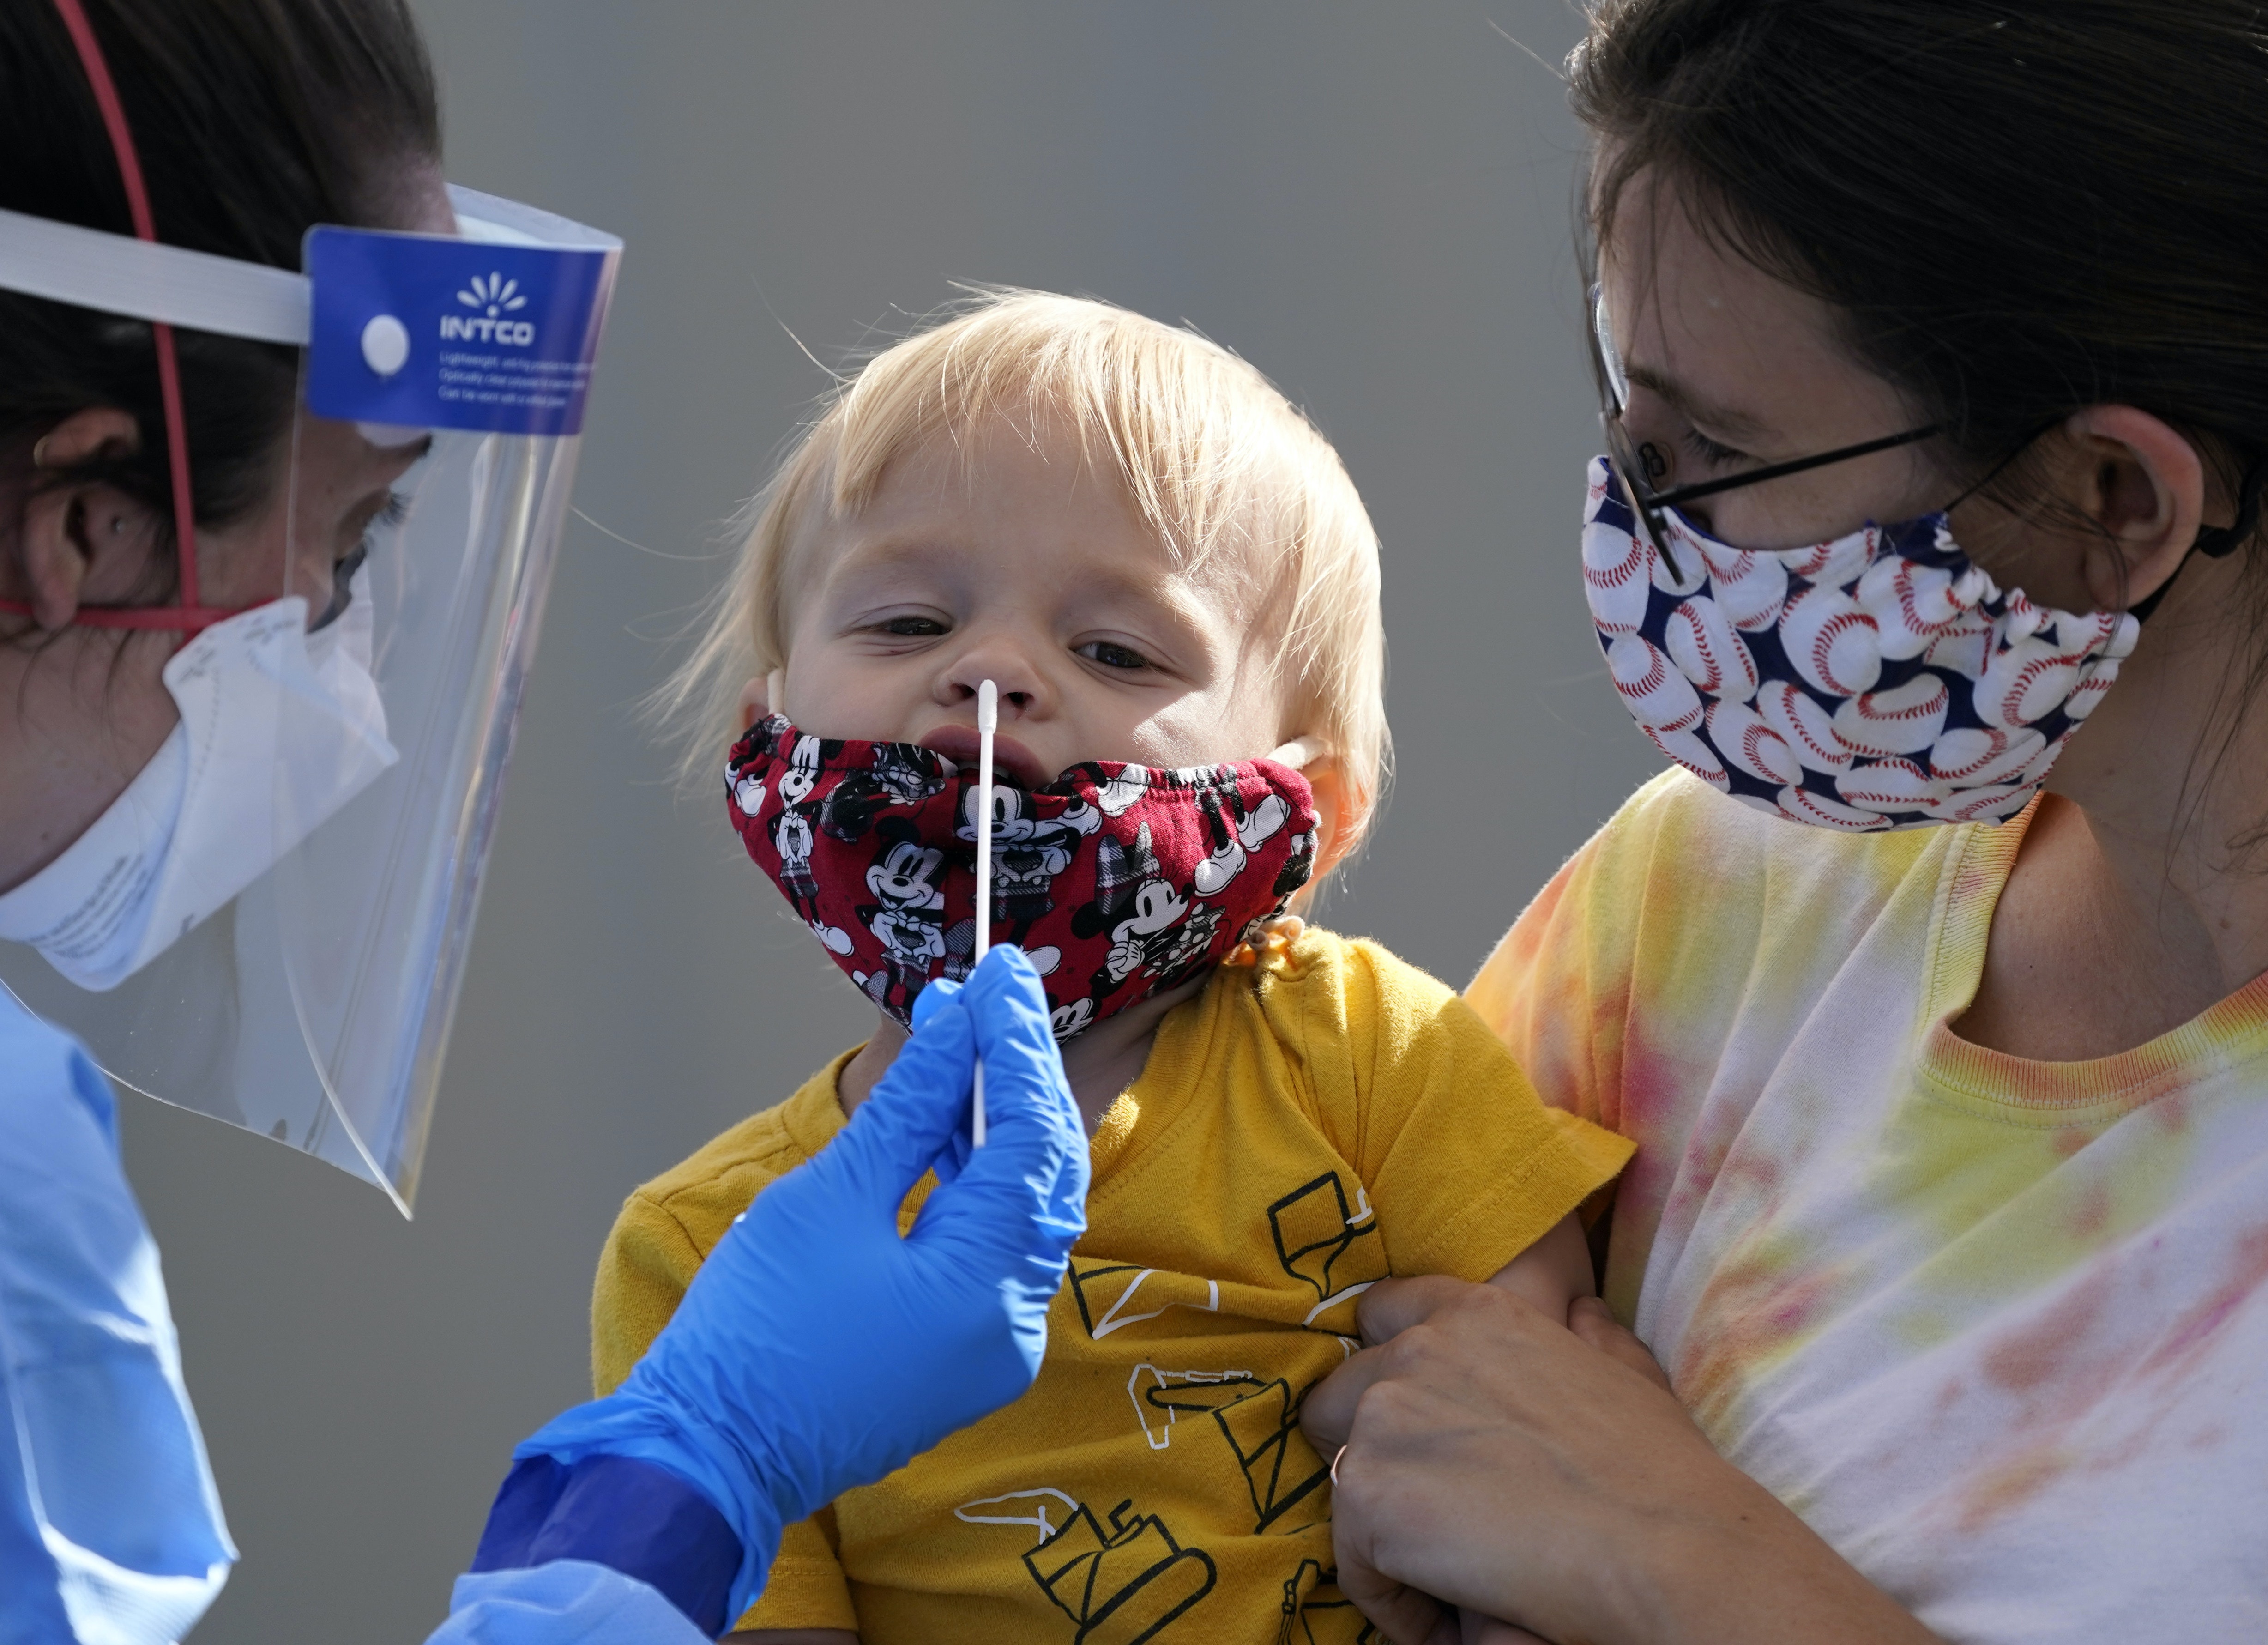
[[270, 925]]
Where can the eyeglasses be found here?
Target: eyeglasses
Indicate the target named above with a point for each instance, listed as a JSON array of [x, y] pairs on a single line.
[[1632, 471]]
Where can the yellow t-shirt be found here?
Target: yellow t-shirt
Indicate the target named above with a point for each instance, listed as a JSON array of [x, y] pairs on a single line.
[[1300, 1131]]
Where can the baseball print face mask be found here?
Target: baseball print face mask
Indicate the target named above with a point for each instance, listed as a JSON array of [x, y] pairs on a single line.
[[1878, 681], [1119, 882]]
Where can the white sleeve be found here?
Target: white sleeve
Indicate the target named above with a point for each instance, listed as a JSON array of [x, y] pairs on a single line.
[[567, 1602]]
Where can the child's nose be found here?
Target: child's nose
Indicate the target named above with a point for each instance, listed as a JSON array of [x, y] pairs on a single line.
[[1023, 690]]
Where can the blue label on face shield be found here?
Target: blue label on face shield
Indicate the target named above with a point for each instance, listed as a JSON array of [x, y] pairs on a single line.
[[425, 331]]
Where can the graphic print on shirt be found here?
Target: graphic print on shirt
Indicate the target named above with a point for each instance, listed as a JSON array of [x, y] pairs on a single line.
[[1022, 1508], [1326, 1244], [1114, 1296], [1260, 1422], [1315, 1613], [1119, 1586], [1157, 1429]]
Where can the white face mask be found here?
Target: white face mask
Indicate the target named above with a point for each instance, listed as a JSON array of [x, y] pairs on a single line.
[[279, 729]]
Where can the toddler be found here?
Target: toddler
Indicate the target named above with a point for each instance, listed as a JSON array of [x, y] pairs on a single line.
[[1168, 576]]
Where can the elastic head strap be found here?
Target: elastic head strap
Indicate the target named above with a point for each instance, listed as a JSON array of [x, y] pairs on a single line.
[[189, 614]]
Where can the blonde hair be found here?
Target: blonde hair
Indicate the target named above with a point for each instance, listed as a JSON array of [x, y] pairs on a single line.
[[1215, 458]]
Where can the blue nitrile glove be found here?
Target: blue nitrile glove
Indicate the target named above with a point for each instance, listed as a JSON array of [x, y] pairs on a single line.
[[816, 1349]]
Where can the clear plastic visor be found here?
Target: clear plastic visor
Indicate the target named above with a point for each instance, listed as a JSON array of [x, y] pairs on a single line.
[[308, 847]]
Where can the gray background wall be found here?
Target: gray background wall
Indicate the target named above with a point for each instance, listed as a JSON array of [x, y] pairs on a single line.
[[1371, 202]]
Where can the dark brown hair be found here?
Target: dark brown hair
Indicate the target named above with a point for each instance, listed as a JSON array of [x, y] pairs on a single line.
[[255, 120], [2020, 209]]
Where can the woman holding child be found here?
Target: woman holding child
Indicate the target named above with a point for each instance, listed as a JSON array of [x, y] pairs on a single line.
[[1948, 1221]]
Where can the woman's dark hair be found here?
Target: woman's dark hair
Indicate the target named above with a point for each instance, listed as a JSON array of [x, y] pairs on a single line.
[[2020, 209], [254, 119]]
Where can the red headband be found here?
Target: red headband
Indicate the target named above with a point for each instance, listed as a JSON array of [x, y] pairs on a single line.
[[188, 614]]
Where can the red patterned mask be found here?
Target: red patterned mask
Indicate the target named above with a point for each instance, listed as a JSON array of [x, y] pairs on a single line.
[[1118, 881]]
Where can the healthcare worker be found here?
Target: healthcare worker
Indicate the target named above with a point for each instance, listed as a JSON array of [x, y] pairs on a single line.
[[287, 428]]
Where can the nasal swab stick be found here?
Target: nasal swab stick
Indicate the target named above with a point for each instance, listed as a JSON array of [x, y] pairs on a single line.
[[988, 721]]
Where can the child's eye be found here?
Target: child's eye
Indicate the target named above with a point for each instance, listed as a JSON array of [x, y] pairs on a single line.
[[911, 627], [1112, 656], [1710, 452]]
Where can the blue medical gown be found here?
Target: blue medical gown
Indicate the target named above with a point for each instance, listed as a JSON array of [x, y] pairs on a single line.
[[110, 1527]]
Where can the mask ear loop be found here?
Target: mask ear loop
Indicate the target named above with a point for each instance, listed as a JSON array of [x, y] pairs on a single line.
[[2216, 543], [189, 614]]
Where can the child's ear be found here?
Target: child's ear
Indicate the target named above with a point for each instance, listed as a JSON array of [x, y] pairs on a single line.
[[1312, 758], [761, 697], [1329, 785]]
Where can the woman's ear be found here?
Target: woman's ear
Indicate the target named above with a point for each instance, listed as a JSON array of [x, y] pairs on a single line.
[[2145, 487], [71, 534]]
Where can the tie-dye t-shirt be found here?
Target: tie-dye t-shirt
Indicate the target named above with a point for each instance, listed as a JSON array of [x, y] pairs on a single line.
[[1995, 1328]]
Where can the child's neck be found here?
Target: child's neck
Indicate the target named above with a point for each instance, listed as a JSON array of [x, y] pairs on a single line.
[[1100, 1063]]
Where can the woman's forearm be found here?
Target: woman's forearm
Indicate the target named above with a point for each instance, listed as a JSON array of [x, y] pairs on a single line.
[[1497, 1460], [1758, 1575]]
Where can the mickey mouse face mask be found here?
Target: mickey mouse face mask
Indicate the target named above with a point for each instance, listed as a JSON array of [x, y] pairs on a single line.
[[1877, 681], [1119, 882]]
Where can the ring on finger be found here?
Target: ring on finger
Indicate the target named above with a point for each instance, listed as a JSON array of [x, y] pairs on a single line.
[[1336, 1454]]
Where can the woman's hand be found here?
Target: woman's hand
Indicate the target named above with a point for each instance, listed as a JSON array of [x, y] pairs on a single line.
[[1501, 1462]]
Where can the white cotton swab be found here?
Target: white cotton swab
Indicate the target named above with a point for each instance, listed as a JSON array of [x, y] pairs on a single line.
[[988, 721]]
